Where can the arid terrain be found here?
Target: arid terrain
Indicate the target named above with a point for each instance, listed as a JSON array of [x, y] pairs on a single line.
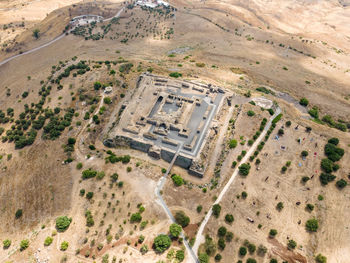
[[269, 181]]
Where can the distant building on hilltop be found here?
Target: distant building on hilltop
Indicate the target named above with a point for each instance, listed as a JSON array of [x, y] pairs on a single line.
[[152, 3]]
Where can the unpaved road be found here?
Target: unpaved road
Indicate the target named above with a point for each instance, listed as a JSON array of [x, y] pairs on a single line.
[[51, 42], [199, 236]]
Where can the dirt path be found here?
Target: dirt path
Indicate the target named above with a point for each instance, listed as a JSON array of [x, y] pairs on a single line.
[[52, 41], [199, 236]]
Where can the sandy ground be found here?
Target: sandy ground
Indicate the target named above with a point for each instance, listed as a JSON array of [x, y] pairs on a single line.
[[47, 189]]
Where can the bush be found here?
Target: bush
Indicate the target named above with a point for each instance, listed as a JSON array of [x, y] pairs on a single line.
[[229, 236], [218, 257], [311, 225], [251, 260], [244, 169], [341, 183], [161, 243], [177, 180], [24, 244], [273, 260], [64, 245], [326, 178], [175, 230], [242, 251], [62, 223], [203, 258], [6, 243], [199, 208], [18, 213], [216, 210], [180, 255], [86, 174], [314, 112], [182, 219], [175, 74], [310, 207], [304, 102], [288, 123], [262, 250], [107, 100], [222, 231], [327, 165], [333, 153], [221, 243], [304, 153], [273, 232], [292, 244], [333, 141], [48, 241], [233, 144], [250, 113], [279, 206], [251, 248], [89, 195], [136, 217], [144, 249], [79, 166], [229, 218], [321, 259]]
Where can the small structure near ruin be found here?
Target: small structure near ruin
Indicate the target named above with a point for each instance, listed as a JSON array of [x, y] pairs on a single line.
[[167, 115]]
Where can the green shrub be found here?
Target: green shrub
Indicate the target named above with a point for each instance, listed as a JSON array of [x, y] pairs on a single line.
[[304, 153], [311, 225], [233, 144], [48, 241], [321, 259], [79, 166], [182, 219], [175, 230], [216, 210], [333, 141], [64, 246], [136, 217], [244, 169], [273, 232], [221, 243], [333, 153], [242, 251], [199, 208], [217, 257], [161, 243], [178, 181], [86, 174], [314, 112], [18, 213], [229, 236], [222, 231], [175, 74], [304, 102], [203, 258], [250, 113], [24, 244], [310, 207], [326, 178], [327, 165], [292, 244], [180, 255], [6, 243], [341, 183], [229, 218], [89, 195], [62, 223]]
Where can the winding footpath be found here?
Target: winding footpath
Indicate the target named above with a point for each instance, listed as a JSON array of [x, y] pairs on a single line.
[[199, 237], [52, 41]]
